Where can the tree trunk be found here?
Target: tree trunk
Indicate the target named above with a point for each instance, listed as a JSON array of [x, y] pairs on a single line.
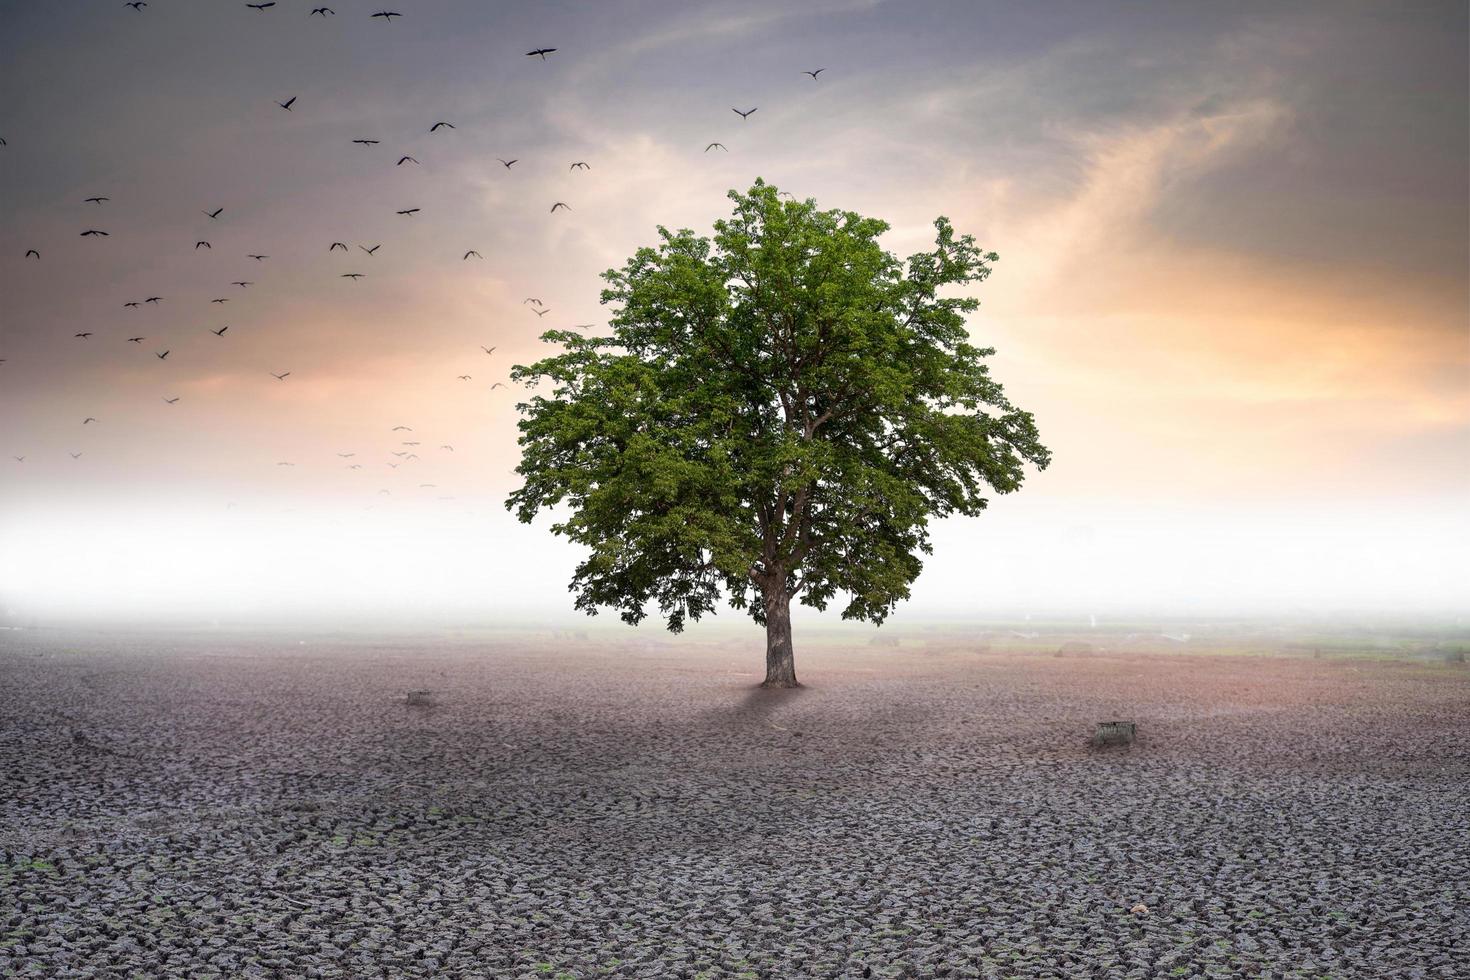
[[780, 666]]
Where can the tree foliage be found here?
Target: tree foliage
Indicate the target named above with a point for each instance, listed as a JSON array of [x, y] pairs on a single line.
[[781, 409]]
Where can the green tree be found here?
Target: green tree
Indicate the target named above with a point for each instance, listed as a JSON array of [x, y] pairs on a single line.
[[778, 413]]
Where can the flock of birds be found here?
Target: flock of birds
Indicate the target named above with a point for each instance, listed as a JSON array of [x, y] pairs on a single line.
[[406, 452]]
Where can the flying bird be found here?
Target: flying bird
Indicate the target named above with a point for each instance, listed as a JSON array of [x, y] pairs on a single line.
[[137, 5], [136, 340], [474, 253], [400, 428], [487, 350], [84, 336], [88, 419], [396, 452], [347, 455], [96, 200], [410, 211], [161, 356], [134, 303], [368, 142], [30, 252], [462, 377], [287, 104], [220, 332], [257, 257], [242, 284], [450, 448], [498, 384], [409, 444], [75, 455], [354, 466], [531, 299], [219, 301], [336, 245], [261, 6], [405, 159], [215, 213], [580, 165], [19, 459], [280, 377], [540, 312], [354, 276], [559, 204], [438, 124], [172, 401], [508, 163], [199, 245], [370, 251], [324, 11], [814, 74], [543, 52], [94, 231], [745, 114], [713, 145], [387, 15], [153, 299]]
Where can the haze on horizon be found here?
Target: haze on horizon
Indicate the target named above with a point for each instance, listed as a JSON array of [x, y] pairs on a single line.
[[1233, 284]]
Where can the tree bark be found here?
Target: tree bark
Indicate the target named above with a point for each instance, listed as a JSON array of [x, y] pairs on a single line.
[[780, 665]]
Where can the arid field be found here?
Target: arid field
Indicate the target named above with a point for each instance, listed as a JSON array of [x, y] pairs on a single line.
[[209, 804]]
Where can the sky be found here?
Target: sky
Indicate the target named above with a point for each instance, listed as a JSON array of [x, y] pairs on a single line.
[[1233, 286]]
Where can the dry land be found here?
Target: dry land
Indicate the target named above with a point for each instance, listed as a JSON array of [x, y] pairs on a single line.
[[211, 804]]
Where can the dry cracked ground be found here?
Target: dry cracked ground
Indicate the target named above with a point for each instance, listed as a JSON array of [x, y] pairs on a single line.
[[208, 805]]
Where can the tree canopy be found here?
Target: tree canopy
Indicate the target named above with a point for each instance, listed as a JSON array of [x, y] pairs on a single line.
[[780, 410]]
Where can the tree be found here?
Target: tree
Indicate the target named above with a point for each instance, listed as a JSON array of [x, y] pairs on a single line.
[[779, 412]]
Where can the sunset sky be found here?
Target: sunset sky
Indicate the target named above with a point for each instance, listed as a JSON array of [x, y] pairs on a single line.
[[1234, 240]]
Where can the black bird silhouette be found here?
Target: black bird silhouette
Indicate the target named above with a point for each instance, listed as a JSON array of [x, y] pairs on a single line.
[[219, 301], [745, 114], [559, 204], [336, 245], [540, 312], [287, 104], [543, 52], [242, 284], [713, 145], [370, 251], [199, 245], [94, 231], [814, 74], [462, 377], [133, 303], [579, 165], [213, 214], [438, 124], [280, 377], [136, 340], [261, 6], [474, 253], [161, 356], [75, 455], [220, 332], [387, 15], [354, 276], [30, 252], [154, 299], [368, 142], [498, 384], [137, 5], [488, 350], [403, 160], [410, 211], [96, 200], [508, 163], [257, 257], [531, 299], [324, 11], [400, 428], [173, 401], [88, 419]]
